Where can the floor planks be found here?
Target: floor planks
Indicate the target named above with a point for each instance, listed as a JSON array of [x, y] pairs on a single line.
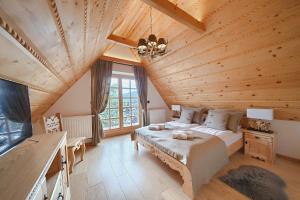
[[115, 171]]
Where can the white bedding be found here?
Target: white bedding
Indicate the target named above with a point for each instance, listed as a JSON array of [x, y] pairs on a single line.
[[227, 136], [177, 124]]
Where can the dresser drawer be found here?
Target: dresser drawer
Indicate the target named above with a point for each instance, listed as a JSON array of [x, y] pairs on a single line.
[[40, 192]]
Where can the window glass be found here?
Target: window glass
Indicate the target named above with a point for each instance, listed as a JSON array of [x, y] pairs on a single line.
[[135, 120], [114, 92], [105, 114], [114, 113], [114, 103], [134, 93], [132, 84], [126, 93], [126, 121], [114, 82], [126, 112], [125, 83], [115, 123], [105, 124], [126, 105]]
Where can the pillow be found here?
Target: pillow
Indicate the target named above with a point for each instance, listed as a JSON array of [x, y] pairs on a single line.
[[186, 116], [217, 119], [197, 117], [234, 121], [203, 118]]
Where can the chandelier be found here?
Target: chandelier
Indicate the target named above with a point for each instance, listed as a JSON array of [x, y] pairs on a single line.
[[151, 47]]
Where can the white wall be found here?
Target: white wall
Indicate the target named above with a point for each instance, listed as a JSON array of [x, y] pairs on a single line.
[[76, 100]]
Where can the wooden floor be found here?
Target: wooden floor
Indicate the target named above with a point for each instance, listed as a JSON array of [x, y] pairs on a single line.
[[115, 171]]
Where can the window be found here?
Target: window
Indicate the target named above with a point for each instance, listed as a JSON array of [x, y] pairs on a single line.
[[130, 103], [122, 110], [110, 117]]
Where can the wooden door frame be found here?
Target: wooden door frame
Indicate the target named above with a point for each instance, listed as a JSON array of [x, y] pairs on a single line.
[[123, 130]]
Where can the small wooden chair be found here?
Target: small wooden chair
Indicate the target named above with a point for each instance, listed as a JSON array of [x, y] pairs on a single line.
[[53, 124]]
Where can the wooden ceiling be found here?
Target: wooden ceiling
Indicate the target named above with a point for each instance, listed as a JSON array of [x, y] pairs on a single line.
[[49, 44], [248, 54]]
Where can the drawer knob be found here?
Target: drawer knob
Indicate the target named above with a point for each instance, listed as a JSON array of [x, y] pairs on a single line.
[[256, 137], [246, 142], [60, 196], [63, 162]]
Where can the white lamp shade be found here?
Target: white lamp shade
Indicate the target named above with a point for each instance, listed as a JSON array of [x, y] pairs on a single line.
[[258, 113], [176, 108]]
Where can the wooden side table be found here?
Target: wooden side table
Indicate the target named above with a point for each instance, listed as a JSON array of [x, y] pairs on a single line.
[[260, 145], [73, 145]]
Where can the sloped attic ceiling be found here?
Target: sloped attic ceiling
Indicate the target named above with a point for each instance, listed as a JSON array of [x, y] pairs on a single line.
[[48, 45], [247, 56]]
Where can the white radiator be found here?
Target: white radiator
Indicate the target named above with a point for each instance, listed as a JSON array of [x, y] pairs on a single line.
[[78, 126]]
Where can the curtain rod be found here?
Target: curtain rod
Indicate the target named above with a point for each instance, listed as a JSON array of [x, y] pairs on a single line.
[[123, 63]]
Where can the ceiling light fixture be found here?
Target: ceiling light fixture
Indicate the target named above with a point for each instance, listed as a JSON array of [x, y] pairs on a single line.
[[152, 47]]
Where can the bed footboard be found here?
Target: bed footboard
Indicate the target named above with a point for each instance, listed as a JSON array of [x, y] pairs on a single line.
[[171, 162]]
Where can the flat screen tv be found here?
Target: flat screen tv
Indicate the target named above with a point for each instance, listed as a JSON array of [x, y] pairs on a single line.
[[15, 115]]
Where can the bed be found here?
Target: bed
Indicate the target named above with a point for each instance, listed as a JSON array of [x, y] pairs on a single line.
[[176, 153]]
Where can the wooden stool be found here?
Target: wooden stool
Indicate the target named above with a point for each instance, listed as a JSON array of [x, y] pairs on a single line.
[[73, 145]]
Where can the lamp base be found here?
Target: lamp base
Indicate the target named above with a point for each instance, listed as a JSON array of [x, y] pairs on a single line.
[[259, 125], [253, 129]]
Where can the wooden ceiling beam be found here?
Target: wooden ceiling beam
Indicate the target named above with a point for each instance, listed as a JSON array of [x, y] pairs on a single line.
[[177, 14], [120, 60], [122, 41]]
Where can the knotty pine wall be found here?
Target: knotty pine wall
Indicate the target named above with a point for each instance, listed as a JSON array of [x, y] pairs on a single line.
[[249, 56]]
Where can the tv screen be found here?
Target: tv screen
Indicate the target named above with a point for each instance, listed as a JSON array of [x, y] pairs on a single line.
[[15, 114]]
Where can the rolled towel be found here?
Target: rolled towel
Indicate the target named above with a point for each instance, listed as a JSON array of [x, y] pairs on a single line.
[[156, 127], [182, 135]]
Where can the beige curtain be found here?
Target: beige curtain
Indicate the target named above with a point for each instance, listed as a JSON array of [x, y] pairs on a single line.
[[141, 81], [100, 83]]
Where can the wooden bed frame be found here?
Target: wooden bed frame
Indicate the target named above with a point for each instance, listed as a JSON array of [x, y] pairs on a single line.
[[177, 165]]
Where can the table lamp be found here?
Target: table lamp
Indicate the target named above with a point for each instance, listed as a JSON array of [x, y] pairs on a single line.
[[176, 111]]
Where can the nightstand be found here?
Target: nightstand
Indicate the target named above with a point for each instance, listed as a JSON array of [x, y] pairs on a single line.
[[260, 145]]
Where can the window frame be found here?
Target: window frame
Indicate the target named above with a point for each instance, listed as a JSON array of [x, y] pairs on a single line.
[[122, 130]]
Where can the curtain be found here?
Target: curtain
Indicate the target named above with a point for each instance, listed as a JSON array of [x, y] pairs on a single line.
[[142, 89], [15, 104], [100, 83]]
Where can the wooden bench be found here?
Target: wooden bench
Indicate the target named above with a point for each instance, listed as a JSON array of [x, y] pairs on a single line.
[[74, 144]]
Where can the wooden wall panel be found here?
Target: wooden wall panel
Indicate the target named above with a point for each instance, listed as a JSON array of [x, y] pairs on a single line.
[[49, 44], [74, 29], [30, 72], [34, 18], [248, 57]]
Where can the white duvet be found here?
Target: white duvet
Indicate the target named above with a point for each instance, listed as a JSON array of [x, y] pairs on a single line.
[[177, 124], [227, 136]]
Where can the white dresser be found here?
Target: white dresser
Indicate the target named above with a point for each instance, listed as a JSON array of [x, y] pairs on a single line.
[[36, 169]]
